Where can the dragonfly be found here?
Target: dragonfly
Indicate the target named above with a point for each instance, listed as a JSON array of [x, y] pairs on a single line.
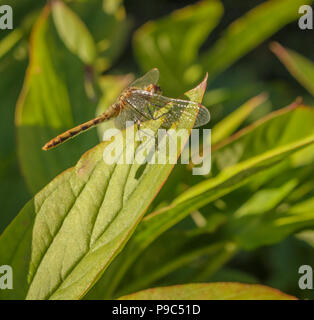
[[142, 101]]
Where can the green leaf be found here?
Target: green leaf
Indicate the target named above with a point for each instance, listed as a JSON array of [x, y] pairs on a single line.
[[267, 213], [108, 23], [210, 291], [10, 41], [52, 101], [265, 199], [83, 218], [273, 226], [260, 155], [275, 211], [171, 44], [300, 67], [306, 236], [276, 129], [73, 32], [249, 31], [229, 124], [271, 214], [205, 192]]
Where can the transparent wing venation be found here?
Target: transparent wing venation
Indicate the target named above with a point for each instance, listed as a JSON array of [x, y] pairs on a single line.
[[151, 77], [178, 108]]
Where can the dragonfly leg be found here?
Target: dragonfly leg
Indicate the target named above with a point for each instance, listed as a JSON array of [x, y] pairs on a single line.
[[138, 125]]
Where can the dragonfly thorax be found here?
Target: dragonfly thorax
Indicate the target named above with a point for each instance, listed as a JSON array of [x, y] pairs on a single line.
[[153, 88], [122, 100]]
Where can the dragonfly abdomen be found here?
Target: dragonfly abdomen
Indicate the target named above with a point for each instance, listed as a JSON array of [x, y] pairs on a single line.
[[111, 112]]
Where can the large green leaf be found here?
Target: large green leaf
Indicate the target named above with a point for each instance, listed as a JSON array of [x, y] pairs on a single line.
[[81, 220], [171, 44], [268, 143], [300, 67], [249, 31], [210, 291], [53, 100]]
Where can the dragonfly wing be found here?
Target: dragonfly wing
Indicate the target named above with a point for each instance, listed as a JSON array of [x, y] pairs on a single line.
[[175, 109], [151, 77], [129, 113], [142, 106]]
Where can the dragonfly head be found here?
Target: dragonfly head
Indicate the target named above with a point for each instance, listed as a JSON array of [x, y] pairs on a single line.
[[153, 88]]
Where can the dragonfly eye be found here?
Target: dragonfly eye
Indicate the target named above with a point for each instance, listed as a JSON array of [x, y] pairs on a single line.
[[153, 88]]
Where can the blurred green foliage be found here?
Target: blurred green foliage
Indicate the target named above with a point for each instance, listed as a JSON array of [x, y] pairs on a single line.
[[66, 61]]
